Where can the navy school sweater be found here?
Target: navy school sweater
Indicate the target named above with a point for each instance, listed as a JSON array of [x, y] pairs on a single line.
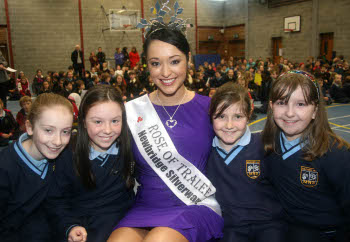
[[22, 193], [70, 203], [244, 195], [315, 193]]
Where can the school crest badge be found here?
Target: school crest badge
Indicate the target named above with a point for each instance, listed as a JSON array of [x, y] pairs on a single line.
[[252, 168], [308, 176]]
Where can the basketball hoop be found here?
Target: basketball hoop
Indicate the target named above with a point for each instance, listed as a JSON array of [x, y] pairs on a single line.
[[123, 19], [288, 32]]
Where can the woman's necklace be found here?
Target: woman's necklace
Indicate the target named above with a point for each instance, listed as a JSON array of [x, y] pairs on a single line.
[[171, 123]]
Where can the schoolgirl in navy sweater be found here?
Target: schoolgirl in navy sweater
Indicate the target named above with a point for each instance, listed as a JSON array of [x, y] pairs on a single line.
[[250, 209], [26, 170], [307, 162], [93, 184]]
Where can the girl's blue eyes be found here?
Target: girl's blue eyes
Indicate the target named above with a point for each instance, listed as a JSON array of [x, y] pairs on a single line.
[[298, 104]]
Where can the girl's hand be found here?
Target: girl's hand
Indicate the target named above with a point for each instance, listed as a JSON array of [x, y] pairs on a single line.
[[77, 234]]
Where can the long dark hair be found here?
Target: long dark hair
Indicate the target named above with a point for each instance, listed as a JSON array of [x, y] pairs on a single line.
[[171, 36], [82, 163]]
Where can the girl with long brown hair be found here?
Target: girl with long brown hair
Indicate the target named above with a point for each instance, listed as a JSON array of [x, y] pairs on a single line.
[[307, 162]]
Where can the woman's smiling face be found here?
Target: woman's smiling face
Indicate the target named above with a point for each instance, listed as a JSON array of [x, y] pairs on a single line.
[[167, 66]]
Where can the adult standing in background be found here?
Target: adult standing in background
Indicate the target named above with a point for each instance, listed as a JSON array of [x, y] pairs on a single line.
[[134, 57], [118, 57], [77, 59], [4, 78], [101, 56], [126, 54]]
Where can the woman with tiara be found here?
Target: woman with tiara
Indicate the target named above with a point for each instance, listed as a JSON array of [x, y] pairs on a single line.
[[172, 137]]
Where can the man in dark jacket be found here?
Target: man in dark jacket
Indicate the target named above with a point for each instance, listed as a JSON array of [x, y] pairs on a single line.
[[101, 57], [77, 59]]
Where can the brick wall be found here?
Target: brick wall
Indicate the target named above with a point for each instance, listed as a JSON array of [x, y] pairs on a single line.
[[210, 13], [334, 17], [44, 32], [265, 23], [235, 12], [96, 24], [2, 13]]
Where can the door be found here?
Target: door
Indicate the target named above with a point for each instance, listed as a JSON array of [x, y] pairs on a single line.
[[236, 48], [276, 49], [326, 45], [209, 47]]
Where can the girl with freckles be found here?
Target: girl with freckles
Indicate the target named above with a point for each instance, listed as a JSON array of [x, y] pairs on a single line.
[[27, 168], [250, 208], [308, 164]]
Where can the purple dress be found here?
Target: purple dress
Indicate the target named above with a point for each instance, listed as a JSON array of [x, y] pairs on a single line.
[[156, 205]]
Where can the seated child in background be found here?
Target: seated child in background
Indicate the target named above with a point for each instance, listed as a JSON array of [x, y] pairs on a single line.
[[326, 97], [25, 103], [346, 86], [45, 88], [337, 92], [23, 87], [249, 206], [80, 88], [8, 126]]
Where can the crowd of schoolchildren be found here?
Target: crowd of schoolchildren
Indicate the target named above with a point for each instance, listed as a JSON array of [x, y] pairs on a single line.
[[130, 79]]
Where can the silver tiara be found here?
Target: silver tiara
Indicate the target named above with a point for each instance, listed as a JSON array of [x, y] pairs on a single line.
[[160, 10]]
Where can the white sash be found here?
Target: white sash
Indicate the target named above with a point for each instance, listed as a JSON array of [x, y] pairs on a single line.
[[156, 147]]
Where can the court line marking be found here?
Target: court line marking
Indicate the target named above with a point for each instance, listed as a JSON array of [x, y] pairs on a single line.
[[257, 121], [341, 126], [343, 131], [339, 117], [262, 119], [338, 105], [338, 127]]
